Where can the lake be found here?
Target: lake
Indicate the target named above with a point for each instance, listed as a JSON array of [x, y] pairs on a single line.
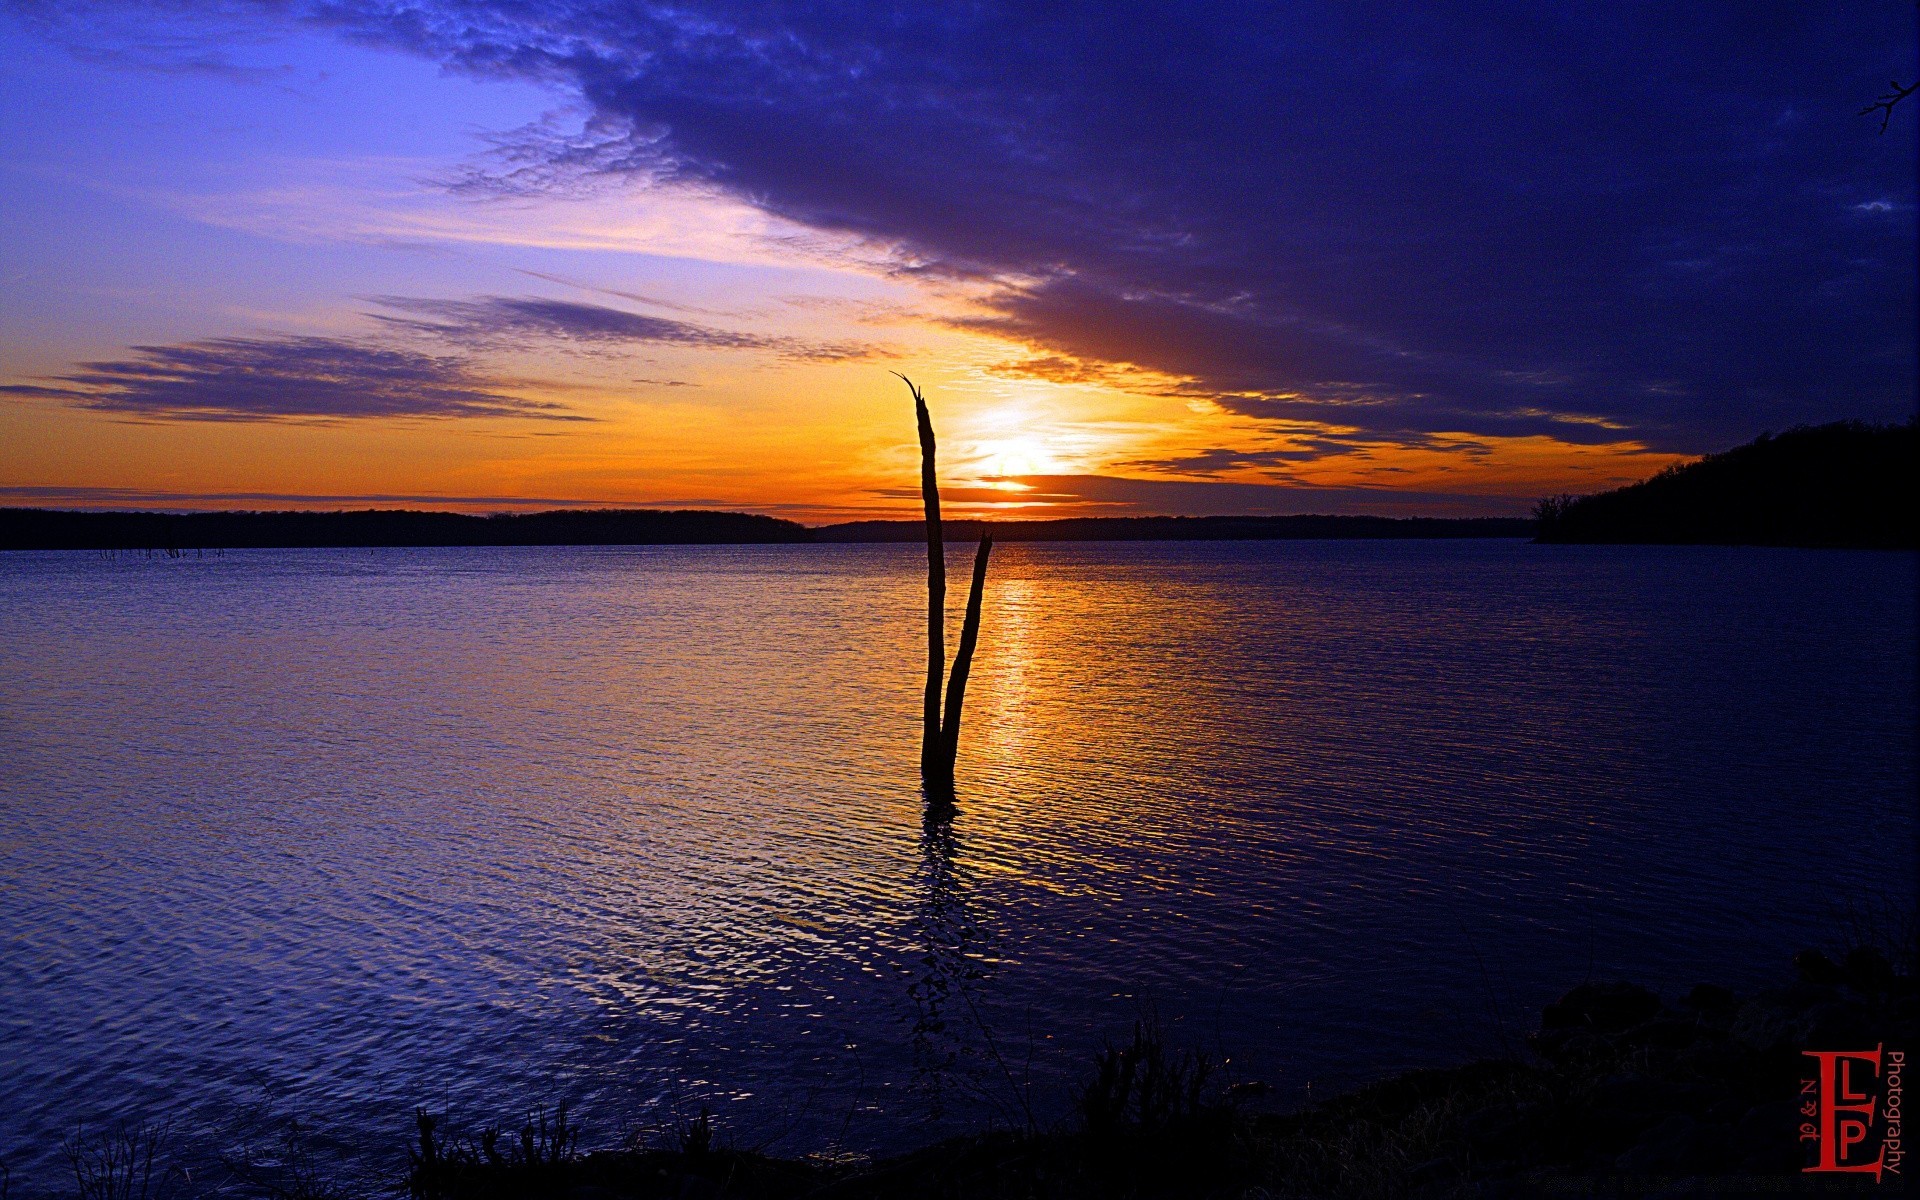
[[332, 834]]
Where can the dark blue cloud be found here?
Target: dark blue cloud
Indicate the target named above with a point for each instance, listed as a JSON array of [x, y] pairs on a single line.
[[286, 378], [1485, 218], [1220, 460]]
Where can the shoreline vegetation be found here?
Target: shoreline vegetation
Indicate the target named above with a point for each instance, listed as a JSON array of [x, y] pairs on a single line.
[[1848, 484], [1618, 1092]]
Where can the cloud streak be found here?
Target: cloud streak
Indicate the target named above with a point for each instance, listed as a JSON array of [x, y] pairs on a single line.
[[519, 320], [510, 322], [285, 379], [293, 378]]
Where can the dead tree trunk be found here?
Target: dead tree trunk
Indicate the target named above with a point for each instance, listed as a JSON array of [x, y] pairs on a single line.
[[940, 733], [930, 741]]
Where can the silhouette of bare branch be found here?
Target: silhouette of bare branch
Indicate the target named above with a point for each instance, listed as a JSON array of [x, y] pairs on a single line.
[[1885, 104]]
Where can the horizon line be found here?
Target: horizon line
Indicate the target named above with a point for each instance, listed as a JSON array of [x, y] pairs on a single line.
[[585, 507], [84, 499]]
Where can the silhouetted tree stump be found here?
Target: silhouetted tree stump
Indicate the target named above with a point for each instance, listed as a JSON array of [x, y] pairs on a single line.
[[940, 730]]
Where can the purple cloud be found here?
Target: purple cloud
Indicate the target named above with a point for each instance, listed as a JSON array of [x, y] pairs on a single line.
[[286, 378]]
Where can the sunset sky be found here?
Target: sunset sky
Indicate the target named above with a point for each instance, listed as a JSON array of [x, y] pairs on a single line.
[[1395, 258]]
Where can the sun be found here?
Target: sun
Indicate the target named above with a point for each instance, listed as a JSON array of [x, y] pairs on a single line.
[[1015, 456]]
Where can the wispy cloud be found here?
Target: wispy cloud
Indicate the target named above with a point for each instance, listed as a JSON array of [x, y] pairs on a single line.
[[499, 322], [186, 57], [1221, 460], [286, 379], [519, 320], [168, 42], [408, 372], [1306, 448], [636, 297]]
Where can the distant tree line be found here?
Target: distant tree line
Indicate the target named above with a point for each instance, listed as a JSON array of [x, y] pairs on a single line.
[[46, 529], [1846, 484], [52, 529]]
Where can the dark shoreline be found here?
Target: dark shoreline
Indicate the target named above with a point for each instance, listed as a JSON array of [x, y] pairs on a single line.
[[1618, 1094], [59, 529]]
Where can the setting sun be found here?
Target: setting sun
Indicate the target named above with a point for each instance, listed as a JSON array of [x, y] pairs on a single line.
[[1017, 456]]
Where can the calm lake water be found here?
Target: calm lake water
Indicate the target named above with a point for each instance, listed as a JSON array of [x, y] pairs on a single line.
[[331, 834]]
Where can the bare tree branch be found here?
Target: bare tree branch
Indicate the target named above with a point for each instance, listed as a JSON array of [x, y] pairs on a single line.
[[1884, 105]]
